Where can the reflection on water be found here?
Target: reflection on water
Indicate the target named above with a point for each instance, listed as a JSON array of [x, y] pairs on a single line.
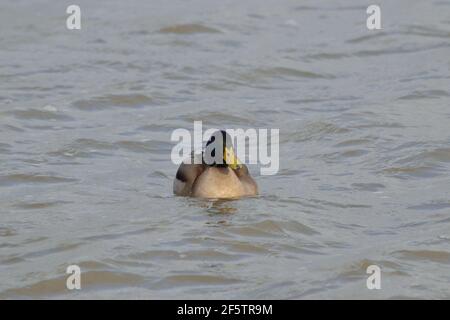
[[223, 207], [85, 172]]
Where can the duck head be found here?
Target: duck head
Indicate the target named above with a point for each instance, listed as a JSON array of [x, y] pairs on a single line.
[[219, 151]]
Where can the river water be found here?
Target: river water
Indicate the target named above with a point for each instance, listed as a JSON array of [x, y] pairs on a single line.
[[86, 176]]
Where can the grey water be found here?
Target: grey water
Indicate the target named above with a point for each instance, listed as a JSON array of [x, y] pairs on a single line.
[[86, 176]]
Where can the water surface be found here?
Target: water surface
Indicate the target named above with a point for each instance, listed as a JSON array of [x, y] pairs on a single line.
[[85, 171]]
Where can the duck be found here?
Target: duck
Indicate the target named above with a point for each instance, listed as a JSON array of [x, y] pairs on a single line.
[[203, 176]]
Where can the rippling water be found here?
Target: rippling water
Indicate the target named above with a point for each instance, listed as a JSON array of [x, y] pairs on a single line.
[[85, 170]]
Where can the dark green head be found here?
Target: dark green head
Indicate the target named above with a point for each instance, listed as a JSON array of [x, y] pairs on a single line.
[[219, 151]]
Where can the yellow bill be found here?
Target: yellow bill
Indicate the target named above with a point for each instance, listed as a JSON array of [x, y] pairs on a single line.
[[230, 158]]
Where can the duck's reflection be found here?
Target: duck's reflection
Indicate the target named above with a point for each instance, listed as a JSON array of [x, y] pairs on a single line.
[[223, 207], [219, 211]]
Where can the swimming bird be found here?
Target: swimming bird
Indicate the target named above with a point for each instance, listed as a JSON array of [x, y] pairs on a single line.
[[205, 176]]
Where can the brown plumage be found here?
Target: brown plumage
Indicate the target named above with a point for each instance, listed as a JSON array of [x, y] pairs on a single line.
[[228, 180]]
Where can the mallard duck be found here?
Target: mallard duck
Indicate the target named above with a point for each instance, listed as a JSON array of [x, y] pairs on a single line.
[[202, 176]]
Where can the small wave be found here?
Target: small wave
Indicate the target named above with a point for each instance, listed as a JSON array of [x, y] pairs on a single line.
[[150, 146], [91, 280], [287, 250], [412, 171], [352, 142], [7, 232], [216, 118], [4, 147], [340, 205], [154, 127], [314, 100], [427, 255], [327, 56], [369, 37], [140, 32], [36, 114], [337, 156], [435, 205], [118, 235], [159, 174], [20, 178], [247, 247], [18, 258], [355, 270], [195, 280], [427, 94], [202, 255], [188, 29], [434, 155], [313, 131], [271, 228], [281, 72], [329, 8], [426, 31], [398, 50], [114, 100], [39, 205], [13, 128], [289, 172], [373, 187], [83, 148]]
